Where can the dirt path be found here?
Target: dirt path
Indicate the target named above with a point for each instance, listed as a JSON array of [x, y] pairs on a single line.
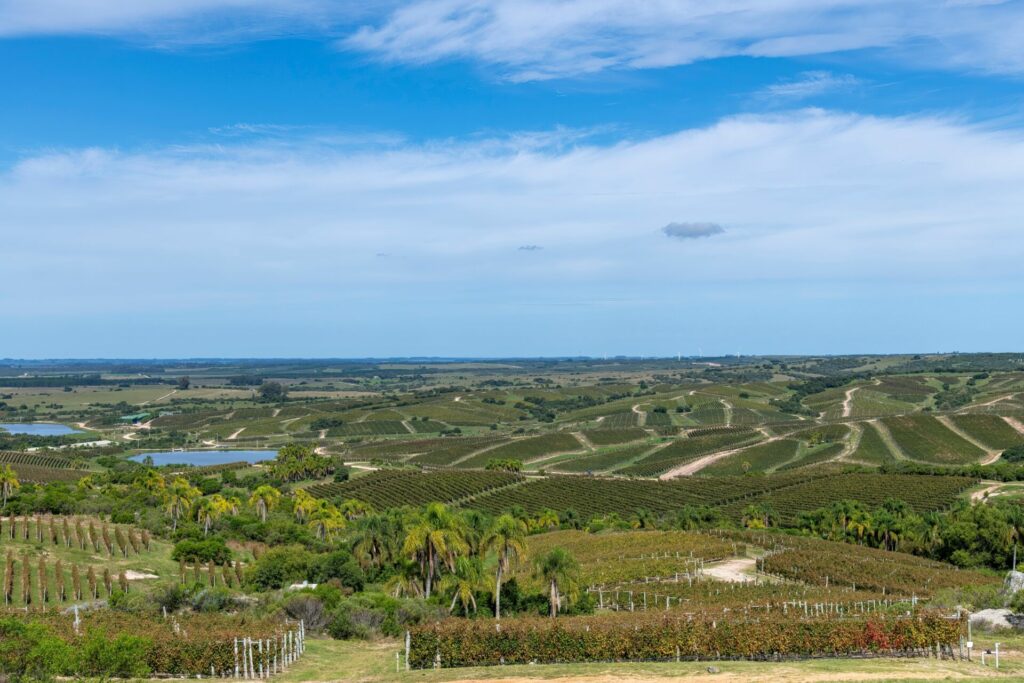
[[323, 434], [583, 439], [987, 403], [156, 400], [1015, 423], [641, 416], [848, 402], [277, 411], [890, 442], [990, 487], [694, 466], [990, 455], [235, 435], [457, 399], [736, 570], [728, 411], [852, 441]]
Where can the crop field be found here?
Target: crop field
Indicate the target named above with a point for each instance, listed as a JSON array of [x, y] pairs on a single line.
[[610, 437], [620, 420], [369, 428], [599, 554], [819, 562], [763, 458], [525, 450], [35, 459], [906, 389], [684, 450], [925, 439], [605, 460], [600, 496], [427, 426], [820, 454], [922, 493], [871, 449], [395, 488], [991, 430], [37, 474], [658, 419], [450, 451]]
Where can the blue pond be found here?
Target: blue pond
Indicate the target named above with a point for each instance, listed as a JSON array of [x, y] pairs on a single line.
[[200, 458], [38, 428]]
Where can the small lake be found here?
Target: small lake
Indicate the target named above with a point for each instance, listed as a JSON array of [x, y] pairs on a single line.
[[201, 458], [38, 428]]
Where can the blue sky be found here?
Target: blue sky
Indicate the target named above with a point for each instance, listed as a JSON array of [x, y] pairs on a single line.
[[499, 177]]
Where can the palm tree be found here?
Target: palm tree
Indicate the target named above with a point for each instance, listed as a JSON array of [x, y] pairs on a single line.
[[759, 516], [8, 483], [304, 505], [507, 538], [354, 509], [560, 571], [547, 519], [436, 538], [326, 520], [151, 482], [179, 498], [210, 510], [373, 539], [464, 580], [476, 525], [264, 499]]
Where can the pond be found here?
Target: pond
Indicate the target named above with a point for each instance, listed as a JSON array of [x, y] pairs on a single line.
[[201, 458], [38, 428]]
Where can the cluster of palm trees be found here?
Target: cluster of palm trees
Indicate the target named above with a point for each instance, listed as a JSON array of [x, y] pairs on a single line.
[[459, 554], [182, 500]]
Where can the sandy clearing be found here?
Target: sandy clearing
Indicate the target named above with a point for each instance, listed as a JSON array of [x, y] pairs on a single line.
[[456, 399], [736, 570], [133, 575]]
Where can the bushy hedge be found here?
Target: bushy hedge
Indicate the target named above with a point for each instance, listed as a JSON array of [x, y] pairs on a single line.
[[126, 645], [648, 637]]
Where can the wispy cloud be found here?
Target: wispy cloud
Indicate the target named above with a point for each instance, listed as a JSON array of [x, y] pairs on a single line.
[[824, 199], [540, 39], [811, 84], [530, 247], [690, 231]]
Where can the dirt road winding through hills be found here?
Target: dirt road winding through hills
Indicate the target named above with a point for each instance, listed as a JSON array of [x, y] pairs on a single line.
[[848, 402], [694, 466]]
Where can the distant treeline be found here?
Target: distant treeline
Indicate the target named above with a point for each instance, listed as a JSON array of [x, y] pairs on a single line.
[[77, 381]]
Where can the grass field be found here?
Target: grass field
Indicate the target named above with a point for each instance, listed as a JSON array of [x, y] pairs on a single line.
[[330, 661]]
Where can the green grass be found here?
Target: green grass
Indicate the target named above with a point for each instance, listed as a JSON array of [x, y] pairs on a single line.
[[685, 450], [327, 661]]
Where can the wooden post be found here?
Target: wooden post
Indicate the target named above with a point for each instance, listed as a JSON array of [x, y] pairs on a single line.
[[408, 643], [236, 657]]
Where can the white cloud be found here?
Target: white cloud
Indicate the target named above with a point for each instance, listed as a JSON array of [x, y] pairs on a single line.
[[810, 84], [814, 201], [537, 39]]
